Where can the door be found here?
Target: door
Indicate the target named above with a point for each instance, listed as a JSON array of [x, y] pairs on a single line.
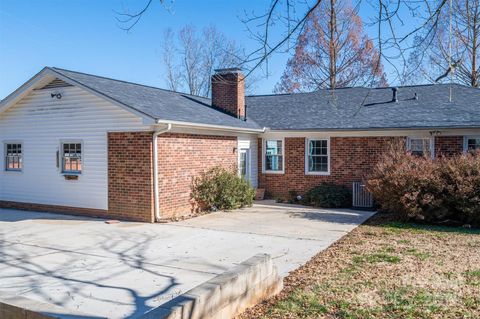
[[244, 164]]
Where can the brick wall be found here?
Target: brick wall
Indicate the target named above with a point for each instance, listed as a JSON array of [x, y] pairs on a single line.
[[130, 176], [182, 157], [448, 145], [351, 159]]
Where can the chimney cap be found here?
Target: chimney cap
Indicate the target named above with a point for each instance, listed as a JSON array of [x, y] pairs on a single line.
[[228, 70]]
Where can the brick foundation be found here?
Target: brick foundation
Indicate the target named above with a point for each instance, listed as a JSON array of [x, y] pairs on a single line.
[[130, 176], [79, 211], [181, 157]]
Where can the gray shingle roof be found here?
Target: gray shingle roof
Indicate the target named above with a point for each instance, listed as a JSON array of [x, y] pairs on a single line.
[[158, 103], [343, 109]]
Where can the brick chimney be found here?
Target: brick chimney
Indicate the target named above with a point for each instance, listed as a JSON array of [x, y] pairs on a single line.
[[228, 91]]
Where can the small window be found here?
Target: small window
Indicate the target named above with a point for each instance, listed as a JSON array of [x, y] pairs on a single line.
[[274, 155], [13, 157], [71, 158], [318, 156], [420, 146], [473, 144]]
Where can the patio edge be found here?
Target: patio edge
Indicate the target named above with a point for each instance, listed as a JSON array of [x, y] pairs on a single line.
[[225, 295]]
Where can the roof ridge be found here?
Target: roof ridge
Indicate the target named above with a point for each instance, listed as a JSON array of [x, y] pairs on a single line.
[[365, 88], [127, 82]]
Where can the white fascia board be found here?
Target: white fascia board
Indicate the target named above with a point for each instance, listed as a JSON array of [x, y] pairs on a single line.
[[372, 133], [181, 124], [42, 77]]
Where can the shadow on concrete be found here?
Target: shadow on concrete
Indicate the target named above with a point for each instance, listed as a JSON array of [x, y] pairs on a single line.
[[129, 249], [334, 216], [331, 215]]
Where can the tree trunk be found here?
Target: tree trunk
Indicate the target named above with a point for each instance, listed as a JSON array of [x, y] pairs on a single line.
[[332, 44]]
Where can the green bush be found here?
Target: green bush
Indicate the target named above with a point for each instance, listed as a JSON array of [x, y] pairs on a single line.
[[328, 196], [446, 189], [221, 189]]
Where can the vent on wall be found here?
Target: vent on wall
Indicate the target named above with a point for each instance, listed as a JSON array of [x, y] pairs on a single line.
[[57, 83]]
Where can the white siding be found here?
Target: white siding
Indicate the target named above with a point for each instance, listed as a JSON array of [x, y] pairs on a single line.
[[250, 142], [40, 122]]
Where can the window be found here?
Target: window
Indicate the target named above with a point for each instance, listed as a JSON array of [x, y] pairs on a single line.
[[317, 159], [243, 163], [274, 156], [13, 157], [421, 146], [71, 158], [473, 144]]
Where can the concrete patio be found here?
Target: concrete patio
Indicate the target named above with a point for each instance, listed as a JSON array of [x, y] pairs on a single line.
[[123, 270]]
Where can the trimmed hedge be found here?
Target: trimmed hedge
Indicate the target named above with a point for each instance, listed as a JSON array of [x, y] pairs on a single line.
[[221, 189], [328, 196]]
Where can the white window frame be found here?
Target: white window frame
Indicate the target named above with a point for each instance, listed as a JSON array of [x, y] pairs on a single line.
[[60, 157], [465, 141], [264, 155], [5, 169], [430, 138], [307, 143]]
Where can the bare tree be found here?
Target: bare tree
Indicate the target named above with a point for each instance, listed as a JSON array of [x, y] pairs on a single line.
[[169, 54], [332, 51], [452, 50], [190, 58], [278, 26]]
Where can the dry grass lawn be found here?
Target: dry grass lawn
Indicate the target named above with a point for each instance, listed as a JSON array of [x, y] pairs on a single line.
[[386, 269]]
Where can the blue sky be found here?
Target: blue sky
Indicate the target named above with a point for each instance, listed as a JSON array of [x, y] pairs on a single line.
[[83, 35]]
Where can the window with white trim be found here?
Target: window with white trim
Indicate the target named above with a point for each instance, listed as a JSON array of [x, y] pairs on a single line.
[[13, 157], [318, 153], [473, 144], [421, 146], [71, 155], [274, 155]]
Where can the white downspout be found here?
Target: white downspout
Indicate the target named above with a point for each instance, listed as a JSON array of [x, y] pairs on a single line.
[[156, 187]]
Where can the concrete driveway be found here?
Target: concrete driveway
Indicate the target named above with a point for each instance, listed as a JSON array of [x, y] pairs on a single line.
[[123, 270]]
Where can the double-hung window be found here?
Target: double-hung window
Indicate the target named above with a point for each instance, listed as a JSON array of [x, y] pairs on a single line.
[[71, 157], [274, 158], [472, 143], [422, 146], [13, 157], [317, 156]]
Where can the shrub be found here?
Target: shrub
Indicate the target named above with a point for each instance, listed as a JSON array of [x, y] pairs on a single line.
[[328, 196], [447, 188], [221, 189]]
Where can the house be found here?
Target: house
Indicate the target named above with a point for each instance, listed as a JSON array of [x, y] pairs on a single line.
[[84, 144]]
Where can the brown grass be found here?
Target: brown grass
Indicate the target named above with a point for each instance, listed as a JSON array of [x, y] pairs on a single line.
[[385, 269]]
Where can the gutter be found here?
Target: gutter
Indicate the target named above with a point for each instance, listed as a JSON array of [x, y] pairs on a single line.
[[156, 186], [212, 126]]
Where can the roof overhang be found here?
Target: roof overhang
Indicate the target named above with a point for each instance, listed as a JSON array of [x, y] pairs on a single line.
[[212, 127], [423, 131], [48, 74]]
